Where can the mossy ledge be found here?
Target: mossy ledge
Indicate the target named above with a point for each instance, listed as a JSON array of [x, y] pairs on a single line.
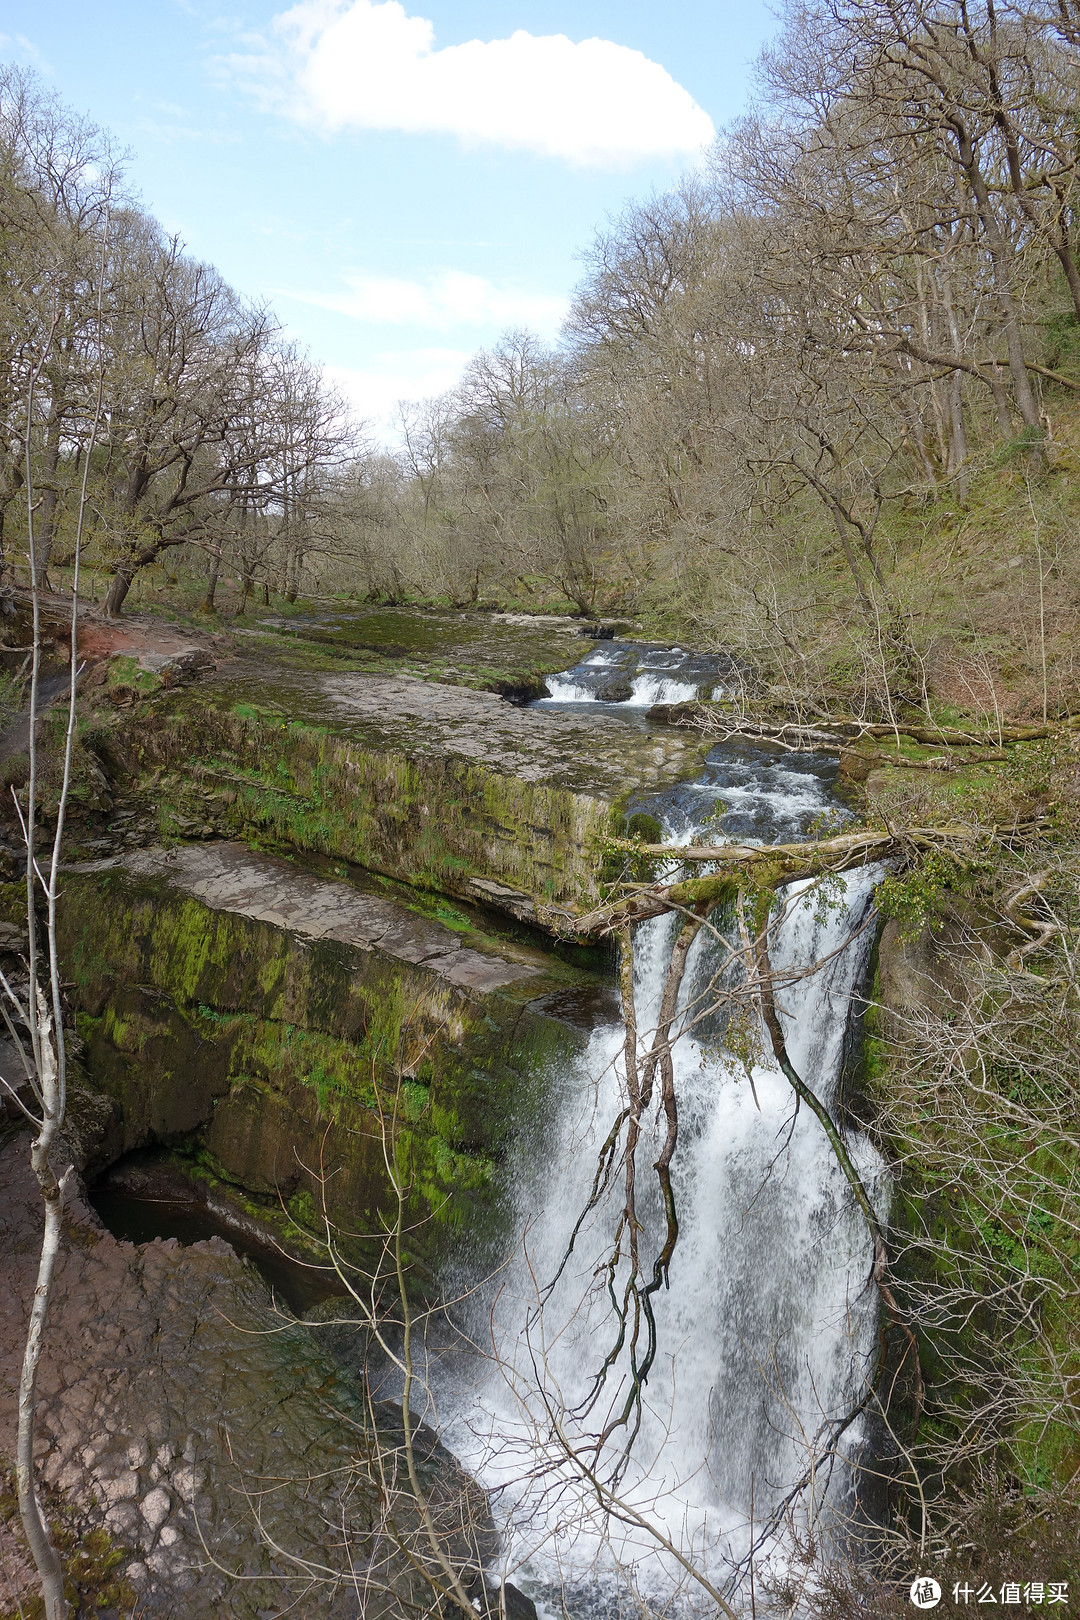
[[444, 788], [266, 1054]]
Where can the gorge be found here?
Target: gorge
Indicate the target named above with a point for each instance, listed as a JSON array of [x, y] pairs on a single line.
[[320, 950]]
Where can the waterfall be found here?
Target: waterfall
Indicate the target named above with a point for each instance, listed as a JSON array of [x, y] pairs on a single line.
[[767, 1331], [638, 675], [645, 690]]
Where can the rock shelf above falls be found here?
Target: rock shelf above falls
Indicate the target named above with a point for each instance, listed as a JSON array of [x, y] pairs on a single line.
[[441, 786], [250, 1010], [231, 878], [244, 1008]]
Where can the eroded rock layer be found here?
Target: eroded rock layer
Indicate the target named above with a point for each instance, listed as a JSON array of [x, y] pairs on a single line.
[[439, 786], [264, 1016]]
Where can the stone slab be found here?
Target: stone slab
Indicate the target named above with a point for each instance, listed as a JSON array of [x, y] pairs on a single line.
[[606, 758], [442, 787], [272, 1019], [230, 877]]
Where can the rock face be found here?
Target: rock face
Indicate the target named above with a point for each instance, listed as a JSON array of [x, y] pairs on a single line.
[[229, 878], [301, 1042], [445, 788], [263, 1015], [210, 1442]]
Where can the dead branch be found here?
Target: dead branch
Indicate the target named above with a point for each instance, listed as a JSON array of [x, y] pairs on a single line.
[[841, 730]]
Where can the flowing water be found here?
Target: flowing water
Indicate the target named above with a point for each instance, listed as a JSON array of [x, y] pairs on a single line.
[[638, 676], [766, 1334]]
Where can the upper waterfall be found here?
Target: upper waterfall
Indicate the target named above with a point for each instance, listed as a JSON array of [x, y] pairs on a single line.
[[641, 674]]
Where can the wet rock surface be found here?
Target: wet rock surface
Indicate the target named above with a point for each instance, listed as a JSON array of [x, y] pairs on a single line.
[[216, 1443], [532, 745], [230, 877]]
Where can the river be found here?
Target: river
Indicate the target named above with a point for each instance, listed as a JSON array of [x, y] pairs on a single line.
[[766, 1332]]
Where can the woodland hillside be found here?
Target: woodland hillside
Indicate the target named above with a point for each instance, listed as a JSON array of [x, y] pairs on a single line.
[[815, 409], [818, 403]]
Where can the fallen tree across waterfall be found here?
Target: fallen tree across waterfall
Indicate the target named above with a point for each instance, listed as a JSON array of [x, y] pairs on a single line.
[[741, 887], [833, 731], [769, 866]]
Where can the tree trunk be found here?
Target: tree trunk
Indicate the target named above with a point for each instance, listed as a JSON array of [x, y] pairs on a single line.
[[45, 1556], [45, 527], [1014, 342], [211, 584], [764, 865], [114, 600], [1001, 401], [958, 446]]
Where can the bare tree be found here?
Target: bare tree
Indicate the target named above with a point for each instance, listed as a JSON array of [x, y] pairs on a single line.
[[34, 1014], [58, 179]]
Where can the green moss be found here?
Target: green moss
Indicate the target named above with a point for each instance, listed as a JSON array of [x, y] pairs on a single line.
[[209, 1027], [383, 795], [983, 1231], [125, 677], [718, 890], [644, 827], [454, 648], [93, 1563]]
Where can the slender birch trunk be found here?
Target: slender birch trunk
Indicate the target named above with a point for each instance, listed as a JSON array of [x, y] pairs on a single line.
[[42, 1016]]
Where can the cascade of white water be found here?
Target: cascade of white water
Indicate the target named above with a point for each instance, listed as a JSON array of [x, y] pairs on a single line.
[[645, 691], [649, 675], [563, 690], [766, 1332], [649, 689]]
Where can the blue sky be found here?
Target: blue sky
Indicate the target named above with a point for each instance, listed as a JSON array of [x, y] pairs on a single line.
[[402, 180]]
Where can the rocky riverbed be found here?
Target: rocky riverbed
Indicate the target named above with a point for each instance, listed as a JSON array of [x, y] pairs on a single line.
[[201, 1451]]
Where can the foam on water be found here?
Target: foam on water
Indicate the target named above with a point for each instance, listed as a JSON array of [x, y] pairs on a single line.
[[649, 689], [767, 1330], [637, 675]]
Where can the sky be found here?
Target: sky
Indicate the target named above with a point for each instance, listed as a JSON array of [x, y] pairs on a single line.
[[403, 180]]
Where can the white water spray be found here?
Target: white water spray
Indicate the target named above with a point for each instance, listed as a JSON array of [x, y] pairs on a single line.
[[765, 1334], [645, 691], [637, 676]]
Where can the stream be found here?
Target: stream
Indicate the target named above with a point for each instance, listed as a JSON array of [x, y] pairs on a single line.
[[766, 1335]]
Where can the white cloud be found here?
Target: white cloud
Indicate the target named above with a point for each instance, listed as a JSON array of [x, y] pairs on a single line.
[[366, 64], [443, 301], [21, 49], [375, 391]]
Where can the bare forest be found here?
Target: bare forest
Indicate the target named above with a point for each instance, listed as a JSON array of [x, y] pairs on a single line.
[[818, 402]]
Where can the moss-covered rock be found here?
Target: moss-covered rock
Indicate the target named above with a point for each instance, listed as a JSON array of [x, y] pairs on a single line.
[[445, 788], [489, 652], [275, 1022], [983, 1220]]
